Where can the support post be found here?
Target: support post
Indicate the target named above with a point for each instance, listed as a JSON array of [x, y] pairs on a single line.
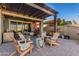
[[1, 26], [41, 28], [55, 23]]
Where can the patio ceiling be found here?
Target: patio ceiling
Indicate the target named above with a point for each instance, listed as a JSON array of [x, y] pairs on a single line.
[[38, 10]]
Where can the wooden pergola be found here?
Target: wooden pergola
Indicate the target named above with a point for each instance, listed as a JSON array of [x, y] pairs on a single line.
[[31, 11]]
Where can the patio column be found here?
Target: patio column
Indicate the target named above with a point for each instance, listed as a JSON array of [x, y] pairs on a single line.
[[55, 23], [1, 27], [41, 28]]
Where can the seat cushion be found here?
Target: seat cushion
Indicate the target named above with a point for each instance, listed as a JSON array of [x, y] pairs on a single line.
[[25, 46]]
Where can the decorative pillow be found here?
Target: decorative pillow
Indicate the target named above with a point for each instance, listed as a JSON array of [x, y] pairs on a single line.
[[17, 36], [22, 41]]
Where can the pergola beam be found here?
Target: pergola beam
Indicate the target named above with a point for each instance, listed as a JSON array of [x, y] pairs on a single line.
[[40, 8], [14, 14]]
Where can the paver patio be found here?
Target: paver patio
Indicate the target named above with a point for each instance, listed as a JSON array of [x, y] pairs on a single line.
[[66, 48]]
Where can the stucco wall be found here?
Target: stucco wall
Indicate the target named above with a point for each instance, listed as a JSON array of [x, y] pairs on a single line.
[[6, 24]]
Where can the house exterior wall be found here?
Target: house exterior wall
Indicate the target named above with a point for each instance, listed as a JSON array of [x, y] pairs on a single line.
[[6, 24]]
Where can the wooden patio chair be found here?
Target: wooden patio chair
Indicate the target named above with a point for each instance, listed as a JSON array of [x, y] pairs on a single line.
[[22, 47], [53, 40]]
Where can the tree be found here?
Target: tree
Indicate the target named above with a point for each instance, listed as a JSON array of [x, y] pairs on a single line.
[[63, 22], [58, 21]]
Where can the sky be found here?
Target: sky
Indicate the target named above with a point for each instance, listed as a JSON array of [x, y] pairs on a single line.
[[68, 11]]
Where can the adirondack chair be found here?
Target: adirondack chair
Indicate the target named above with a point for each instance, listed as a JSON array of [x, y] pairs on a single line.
[[53, 40], [22, 47]]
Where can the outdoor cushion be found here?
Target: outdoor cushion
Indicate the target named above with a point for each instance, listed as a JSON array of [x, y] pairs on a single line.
[[24, 45], [26, 33]]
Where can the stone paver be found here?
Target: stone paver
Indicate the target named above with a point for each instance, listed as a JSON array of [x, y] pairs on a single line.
[[66, 48]]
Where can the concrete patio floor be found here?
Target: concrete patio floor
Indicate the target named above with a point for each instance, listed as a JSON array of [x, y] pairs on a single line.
[[66, 48]]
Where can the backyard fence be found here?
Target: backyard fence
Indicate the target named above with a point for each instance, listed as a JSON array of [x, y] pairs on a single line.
[[72, 31]]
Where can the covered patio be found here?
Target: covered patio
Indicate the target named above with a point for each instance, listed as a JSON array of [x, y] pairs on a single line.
[[22, 17], [13, 16]]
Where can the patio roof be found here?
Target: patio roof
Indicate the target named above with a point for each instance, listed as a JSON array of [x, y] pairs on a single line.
[[38, 10], [31, 11]]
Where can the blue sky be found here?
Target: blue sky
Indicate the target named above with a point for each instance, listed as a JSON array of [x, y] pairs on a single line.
[[68, 11]]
